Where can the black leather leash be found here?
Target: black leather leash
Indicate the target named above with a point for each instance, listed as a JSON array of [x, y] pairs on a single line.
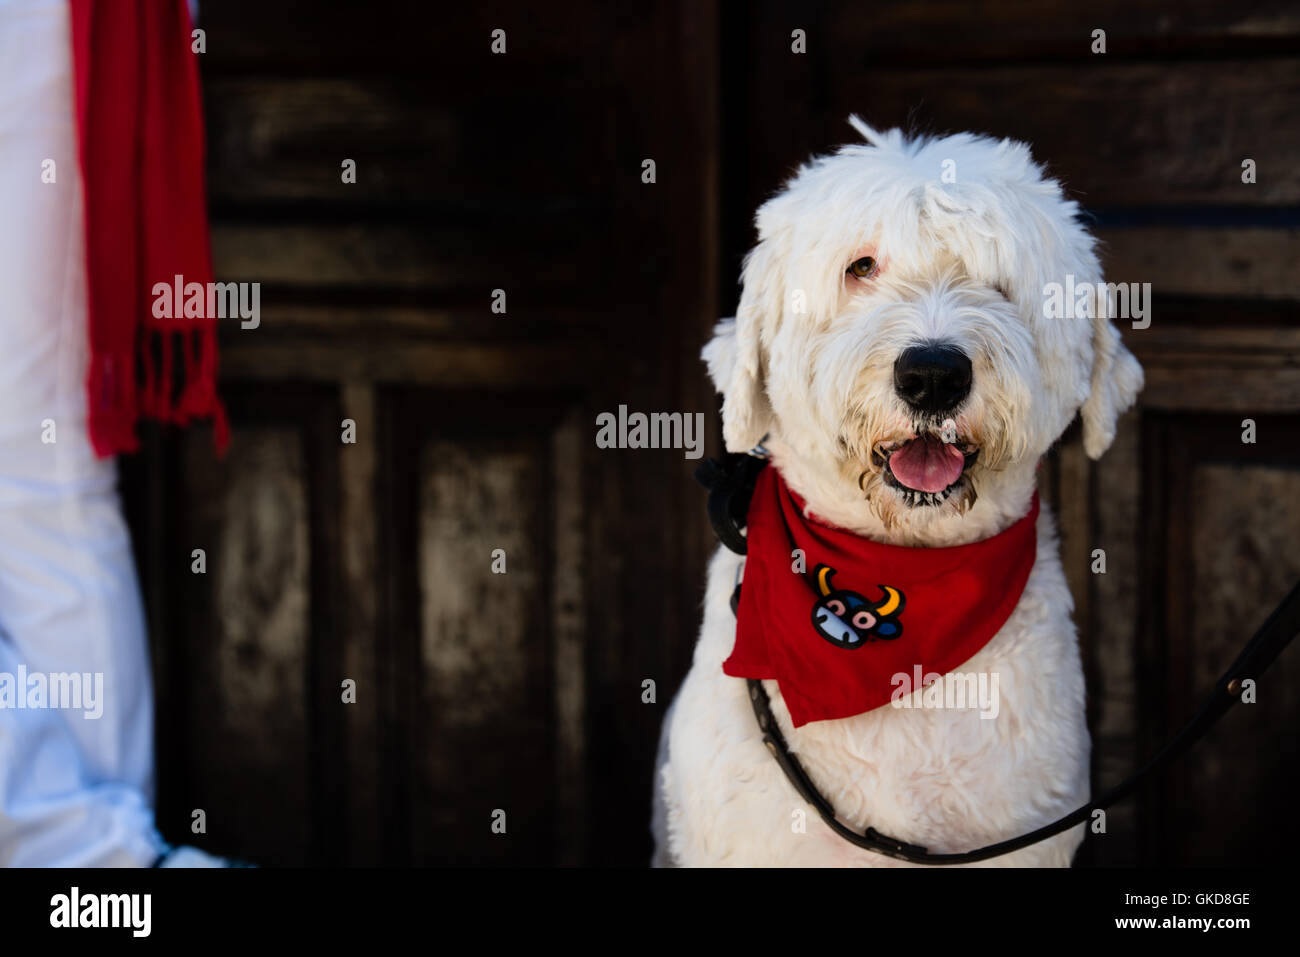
[[731, 486]]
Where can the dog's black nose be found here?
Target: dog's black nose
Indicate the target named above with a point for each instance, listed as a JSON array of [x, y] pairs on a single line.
[[932, 378]]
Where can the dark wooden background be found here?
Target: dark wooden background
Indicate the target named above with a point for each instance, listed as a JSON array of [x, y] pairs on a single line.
[[475, 431]]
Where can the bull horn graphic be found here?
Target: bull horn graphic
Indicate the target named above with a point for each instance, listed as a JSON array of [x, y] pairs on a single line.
[[891, 603], [824, 574]]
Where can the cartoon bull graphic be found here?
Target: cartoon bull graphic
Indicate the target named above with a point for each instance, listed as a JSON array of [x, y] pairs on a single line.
[[847, 620]]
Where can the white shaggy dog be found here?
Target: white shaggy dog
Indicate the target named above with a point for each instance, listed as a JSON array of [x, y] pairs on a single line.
[[863, 255]]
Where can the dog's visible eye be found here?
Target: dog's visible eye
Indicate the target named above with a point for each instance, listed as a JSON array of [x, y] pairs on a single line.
[[864, 268]]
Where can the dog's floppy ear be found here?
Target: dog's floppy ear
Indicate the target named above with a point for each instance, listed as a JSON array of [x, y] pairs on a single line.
[[735, 356], [736, 367], [1116, 381]]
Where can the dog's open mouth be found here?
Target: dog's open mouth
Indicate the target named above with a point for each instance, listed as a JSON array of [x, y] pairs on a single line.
[[925, 468]]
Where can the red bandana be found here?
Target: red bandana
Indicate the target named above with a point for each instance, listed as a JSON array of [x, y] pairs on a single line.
[[835, 636]]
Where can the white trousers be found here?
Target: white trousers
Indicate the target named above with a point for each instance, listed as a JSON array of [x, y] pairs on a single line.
[[74, 790]]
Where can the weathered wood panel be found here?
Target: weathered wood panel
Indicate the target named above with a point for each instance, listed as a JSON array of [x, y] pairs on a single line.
[[902, 33], [282, 141], [399, 256], [1117, 130], [519, 365], [246, 628], [569, 558], [1173, 132], [1222, 551], [345, 318], [1113, 692], [1242, 368], [358, 550], [483, 743], [248, 666], [486, 670], [1139, 134], [397, 36], [1245, 557], [1244, 263]]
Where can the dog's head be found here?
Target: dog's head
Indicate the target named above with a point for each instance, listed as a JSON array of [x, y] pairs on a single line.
[[893, 339]]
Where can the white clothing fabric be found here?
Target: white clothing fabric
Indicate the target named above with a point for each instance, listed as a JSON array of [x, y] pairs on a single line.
[[74, 790]]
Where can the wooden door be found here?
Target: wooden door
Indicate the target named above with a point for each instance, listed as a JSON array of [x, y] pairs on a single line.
[[481, 697]]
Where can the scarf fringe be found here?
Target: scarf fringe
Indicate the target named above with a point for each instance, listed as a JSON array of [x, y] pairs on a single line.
[[118, 400]]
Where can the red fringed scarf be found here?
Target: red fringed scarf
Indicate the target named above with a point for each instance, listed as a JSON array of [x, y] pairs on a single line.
[[140, 128], [838, 629]]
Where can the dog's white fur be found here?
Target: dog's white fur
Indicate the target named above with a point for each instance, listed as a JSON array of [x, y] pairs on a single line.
[[808, 363]]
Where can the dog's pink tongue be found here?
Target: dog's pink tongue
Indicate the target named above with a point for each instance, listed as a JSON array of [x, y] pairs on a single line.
[[927, 464]]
